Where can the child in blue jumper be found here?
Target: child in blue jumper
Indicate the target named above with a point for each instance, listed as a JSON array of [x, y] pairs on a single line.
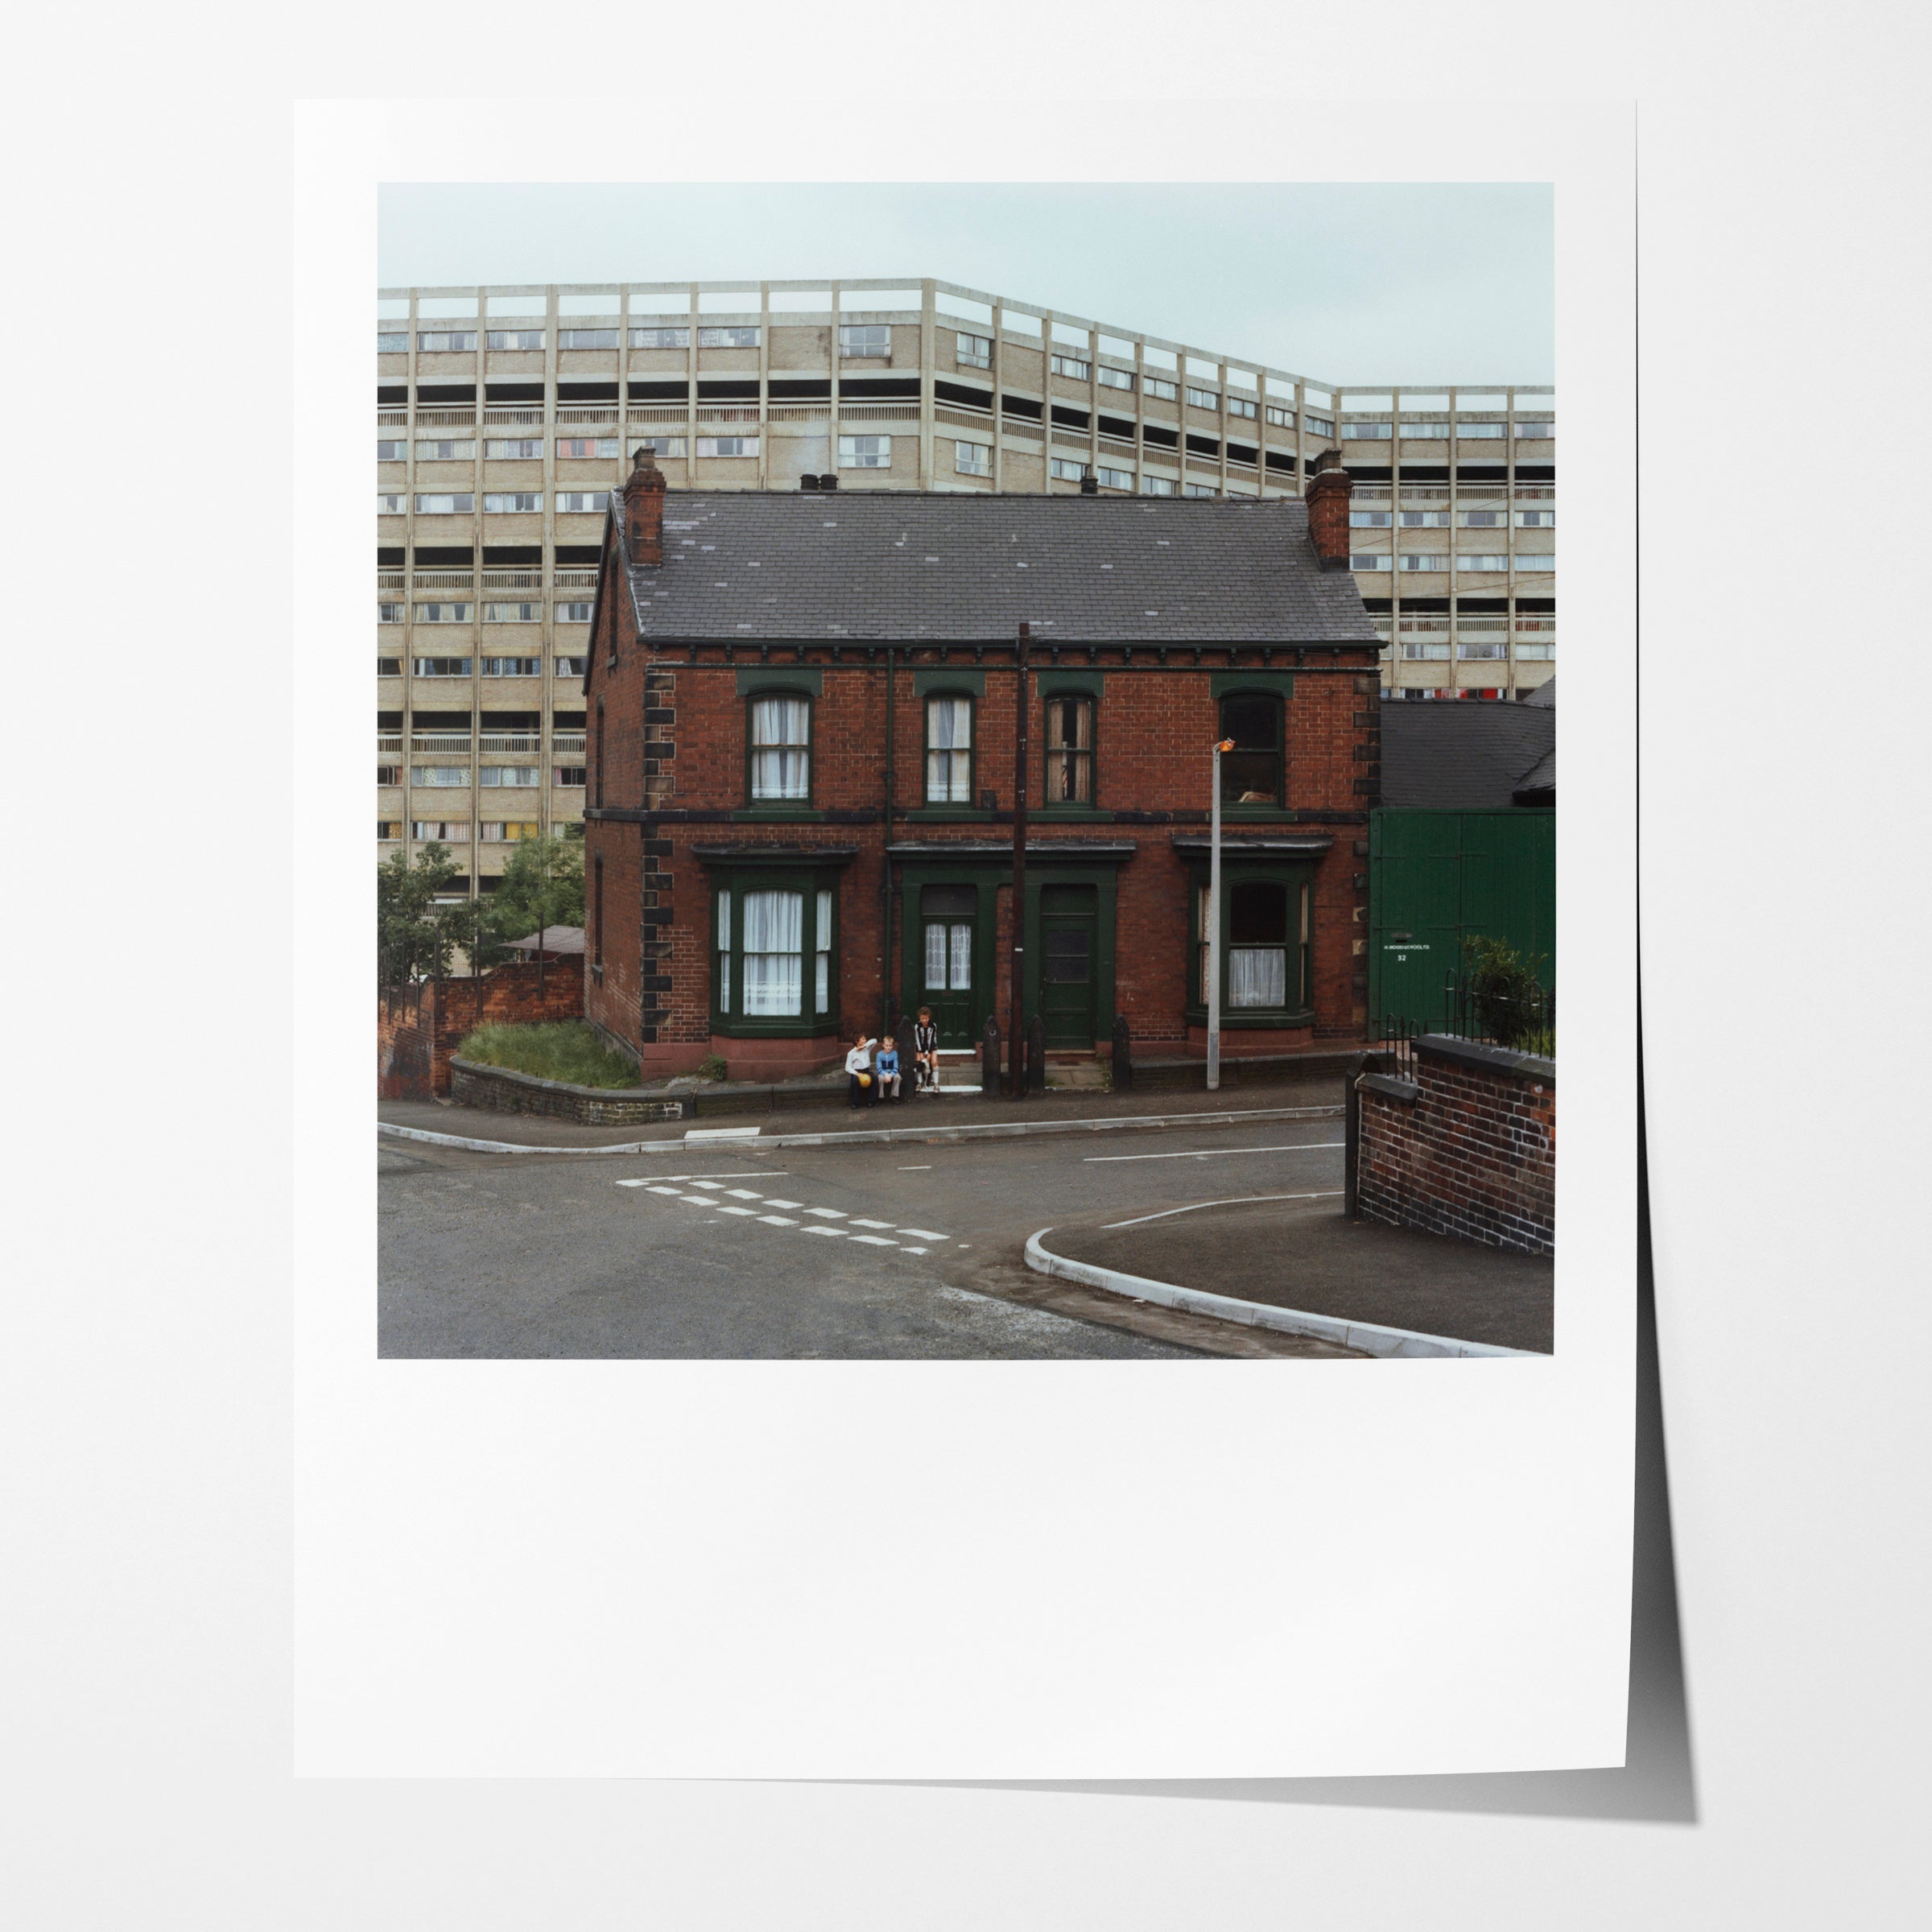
[[885, 1069]]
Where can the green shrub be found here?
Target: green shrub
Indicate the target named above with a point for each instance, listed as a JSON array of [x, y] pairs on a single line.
[[1505, 999], [711, 1067], [559, 1049]]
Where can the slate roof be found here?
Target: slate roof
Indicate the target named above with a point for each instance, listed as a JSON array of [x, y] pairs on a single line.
[[1544, 696], [1471, 756], [901, 565]]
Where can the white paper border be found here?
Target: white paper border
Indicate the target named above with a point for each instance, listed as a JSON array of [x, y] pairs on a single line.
[[962, 1570]]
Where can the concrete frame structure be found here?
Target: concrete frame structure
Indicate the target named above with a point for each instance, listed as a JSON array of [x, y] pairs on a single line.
[[816, 377]]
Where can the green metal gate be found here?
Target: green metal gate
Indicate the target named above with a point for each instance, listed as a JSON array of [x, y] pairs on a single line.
[[1436, 877]]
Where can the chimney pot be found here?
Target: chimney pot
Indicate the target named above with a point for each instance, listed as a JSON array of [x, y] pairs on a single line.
[[1090, 484], [1330, 487], [809, 481], [829, 482]]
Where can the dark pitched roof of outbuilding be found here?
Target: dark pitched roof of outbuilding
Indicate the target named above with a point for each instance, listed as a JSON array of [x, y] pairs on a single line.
[[1544, 696], [897, 565], [1473, 756]]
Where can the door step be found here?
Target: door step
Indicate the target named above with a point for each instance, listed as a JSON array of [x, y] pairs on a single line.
[[1089, 1073]]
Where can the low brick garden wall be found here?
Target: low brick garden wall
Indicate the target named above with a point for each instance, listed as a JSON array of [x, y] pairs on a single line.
[[418, 1032], [1467, 1146], [504, 1091]]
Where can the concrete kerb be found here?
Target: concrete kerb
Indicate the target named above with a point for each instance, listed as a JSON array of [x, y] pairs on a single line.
[[880, 1136], [1370, 1338]]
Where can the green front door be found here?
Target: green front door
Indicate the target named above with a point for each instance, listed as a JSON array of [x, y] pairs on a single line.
[[949, 924], [1068, 922]]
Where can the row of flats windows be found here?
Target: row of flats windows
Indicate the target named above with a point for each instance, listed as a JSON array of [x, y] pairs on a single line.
[[1439, 519], [520, 667], [570, 667], [444, 342], [779, 740], [500, 778], [1371, 562], [1438, 432], [457, 832], [393, 449], [576, 611]]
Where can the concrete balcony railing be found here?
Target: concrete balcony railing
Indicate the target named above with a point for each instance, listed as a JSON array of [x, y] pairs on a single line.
[[388, 743], [445, 579], [584, 415], [513, 415], [574, 577], [510, 740], [465, 417], [568, 743], [389, 579], [392, 417], [531, 579], [648, 416], [438, 741], [879, 412]]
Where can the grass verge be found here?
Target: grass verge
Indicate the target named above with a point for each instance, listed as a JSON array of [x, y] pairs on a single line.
[[557, 1050]]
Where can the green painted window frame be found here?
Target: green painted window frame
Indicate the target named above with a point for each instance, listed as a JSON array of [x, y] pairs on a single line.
[[1236, 868], [806, 807], [1275, 694], [951, 692], [1088, 807], [730, 1020]]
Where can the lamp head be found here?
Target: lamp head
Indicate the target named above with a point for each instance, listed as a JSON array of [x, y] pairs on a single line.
[[1225, 744]]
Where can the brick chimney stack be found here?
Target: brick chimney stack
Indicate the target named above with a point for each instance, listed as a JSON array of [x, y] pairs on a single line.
[[644, 509], [1326, 496]]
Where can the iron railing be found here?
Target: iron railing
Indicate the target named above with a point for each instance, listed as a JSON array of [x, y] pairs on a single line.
[[1524, 1022]]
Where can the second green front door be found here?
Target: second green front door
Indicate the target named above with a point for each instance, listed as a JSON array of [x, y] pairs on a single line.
[[1068, 921], [948, 919]]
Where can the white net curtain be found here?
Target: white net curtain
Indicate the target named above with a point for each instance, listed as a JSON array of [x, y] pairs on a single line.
[[781, 753], [774, 933], [949, 751]]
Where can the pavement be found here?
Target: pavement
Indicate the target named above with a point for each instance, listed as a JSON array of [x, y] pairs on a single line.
[[964, 1110], [902, 1252], [1305, 1255]]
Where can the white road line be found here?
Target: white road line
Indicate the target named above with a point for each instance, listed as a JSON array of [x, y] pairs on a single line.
[[871, 1241], [652, 1180], [671, 1192], [925, 1169], [831, 1214], [779, 1220], [723, 1208], [1331, 1194], [860, 1221], [718, 1185], [925, 1234], [771, 1200], [743, 1194], [1209, 1154], [836, 1233]]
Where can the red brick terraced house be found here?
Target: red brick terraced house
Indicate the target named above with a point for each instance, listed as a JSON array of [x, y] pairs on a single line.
[[803, 722]]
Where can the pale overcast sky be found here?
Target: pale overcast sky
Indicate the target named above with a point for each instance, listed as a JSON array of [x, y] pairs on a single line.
[[1349, 283]]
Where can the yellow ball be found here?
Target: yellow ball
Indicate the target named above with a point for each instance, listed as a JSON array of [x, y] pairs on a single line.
[[865, 1079]]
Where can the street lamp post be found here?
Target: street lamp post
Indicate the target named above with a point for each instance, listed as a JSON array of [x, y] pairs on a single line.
[[1214, 925]]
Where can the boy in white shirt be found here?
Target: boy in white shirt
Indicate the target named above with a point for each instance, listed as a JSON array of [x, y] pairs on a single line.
[[859, 1084]]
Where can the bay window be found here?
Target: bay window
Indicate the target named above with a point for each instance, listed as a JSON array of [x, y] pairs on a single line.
[[773, 934]]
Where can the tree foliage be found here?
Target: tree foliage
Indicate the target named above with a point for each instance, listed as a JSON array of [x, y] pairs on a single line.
[[543, 885], [414, 935]]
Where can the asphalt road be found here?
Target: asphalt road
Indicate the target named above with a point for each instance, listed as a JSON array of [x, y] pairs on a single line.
[[893, 1252]]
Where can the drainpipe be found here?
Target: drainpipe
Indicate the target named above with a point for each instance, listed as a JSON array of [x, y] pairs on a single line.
[[885, 869]]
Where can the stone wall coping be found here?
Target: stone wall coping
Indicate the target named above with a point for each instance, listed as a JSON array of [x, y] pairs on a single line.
[[1497, 1059], [543, 1086], [1406, 1091]]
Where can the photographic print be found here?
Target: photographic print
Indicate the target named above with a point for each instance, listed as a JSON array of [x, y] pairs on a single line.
[[920, 819]]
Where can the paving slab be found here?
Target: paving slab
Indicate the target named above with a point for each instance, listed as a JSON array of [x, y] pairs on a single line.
[[1308, 1255]]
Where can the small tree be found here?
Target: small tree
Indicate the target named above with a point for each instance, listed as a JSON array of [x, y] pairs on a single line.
[[543, 886], [1504, 996], [414, 934]]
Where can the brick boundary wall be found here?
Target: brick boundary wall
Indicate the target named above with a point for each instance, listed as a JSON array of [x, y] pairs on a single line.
[[1466, 1147], [415, 1040], [504, 1091]]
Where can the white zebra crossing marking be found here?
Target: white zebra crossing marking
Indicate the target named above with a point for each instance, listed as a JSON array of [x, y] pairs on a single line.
[[836, 1233], [779, 1220], [860, 1221], [743, 1193], [771, 1200], [717, 1186], [911, 1250], [723, 1207], [831, 1214], [925, 1234], [673, 1192], [873, 1240]]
